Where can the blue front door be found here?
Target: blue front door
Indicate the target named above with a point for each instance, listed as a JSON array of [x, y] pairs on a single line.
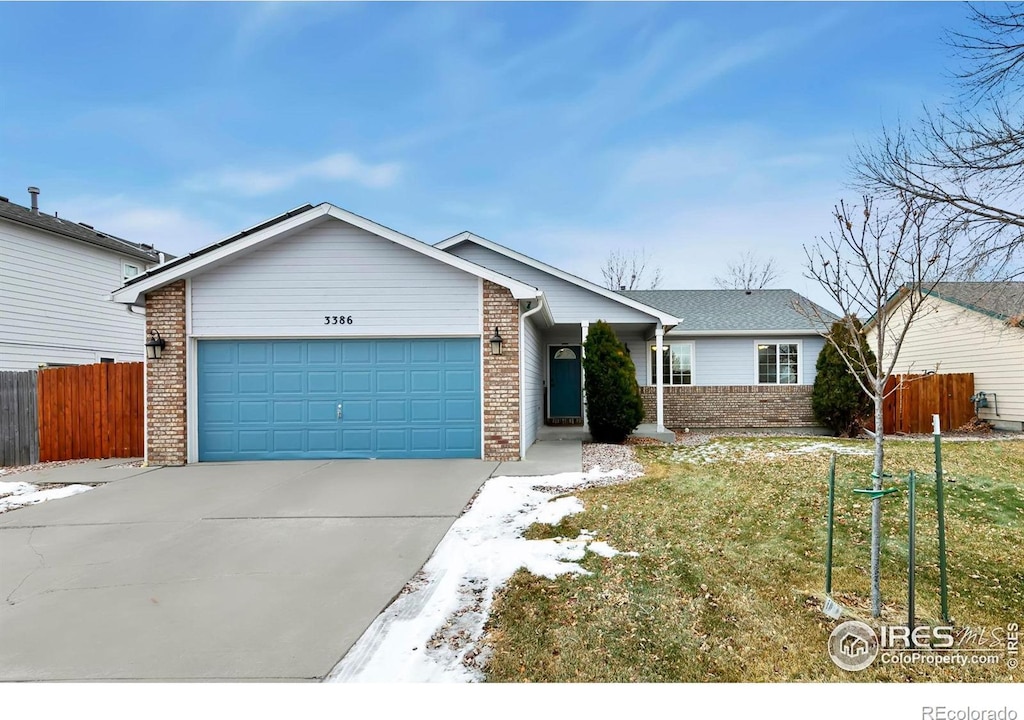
[[289, 399], [564, 382]]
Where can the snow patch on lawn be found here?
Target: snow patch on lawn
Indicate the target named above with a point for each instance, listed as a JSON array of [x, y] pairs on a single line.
[[19, 494], [430, 633]]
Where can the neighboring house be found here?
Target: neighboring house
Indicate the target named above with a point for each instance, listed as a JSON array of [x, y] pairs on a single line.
[[323, 334], [56, 277], [738, 358], [971, 327]]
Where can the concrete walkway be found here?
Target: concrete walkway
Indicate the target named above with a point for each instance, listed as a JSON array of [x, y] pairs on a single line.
[[224, 571]]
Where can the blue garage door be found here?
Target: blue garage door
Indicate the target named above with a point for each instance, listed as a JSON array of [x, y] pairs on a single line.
[[288, 399]]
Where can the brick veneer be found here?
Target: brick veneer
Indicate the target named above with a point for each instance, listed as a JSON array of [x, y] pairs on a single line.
[[739, 406], [501, 375], [166, 430]]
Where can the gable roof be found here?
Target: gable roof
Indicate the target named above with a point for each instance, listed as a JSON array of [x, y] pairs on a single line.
[[1001, 300], [666, 317], [76, 231], [733, 311], [289, 222]]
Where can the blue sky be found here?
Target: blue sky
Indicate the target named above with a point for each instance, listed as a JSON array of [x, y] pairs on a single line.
[[693, 131]]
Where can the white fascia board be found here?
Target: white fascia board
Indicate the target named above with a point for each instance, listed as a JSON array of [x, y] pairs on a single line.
[[134, 292], [666, 319], [519, 290]]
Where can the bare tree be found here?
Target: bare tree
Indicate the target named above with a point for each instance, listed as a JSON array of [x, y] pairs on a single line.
[[967, 158], [873, 256], [748, 273], [628, 271]]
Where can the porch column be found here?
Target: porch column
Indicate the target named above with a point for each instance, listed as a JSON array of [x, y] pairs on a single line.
[[585, 327], [659, 368]]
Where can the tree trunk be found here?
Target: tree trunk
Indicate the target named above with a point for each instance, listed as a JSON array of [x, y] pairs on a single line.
[[876, 508]]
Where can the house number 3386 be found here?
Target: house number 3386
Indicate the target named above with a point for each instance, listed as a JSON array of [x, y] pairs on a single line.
[[337, 319]]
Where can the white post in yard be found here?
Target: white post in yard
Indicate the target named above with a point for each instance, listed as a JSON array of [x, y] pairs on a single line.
[[659, 369], [585, 327]]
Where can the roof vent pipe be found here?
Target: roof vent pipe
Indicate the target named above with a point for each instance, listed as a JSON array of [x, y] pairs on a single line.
[[34, 192]]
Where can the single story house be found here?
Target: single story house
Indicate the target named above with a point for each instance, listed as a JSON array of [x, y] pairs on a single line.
[[322, 334], [55, 281], [971, 327]]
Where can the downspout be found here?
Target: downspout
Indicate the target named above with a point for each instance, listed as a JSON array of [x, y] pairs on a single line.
[[522, 373]]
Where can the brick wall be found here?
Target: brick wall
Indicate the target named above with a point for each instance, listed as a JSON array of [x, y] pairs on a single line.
[[166, 434], [501, 375], [736, 406]]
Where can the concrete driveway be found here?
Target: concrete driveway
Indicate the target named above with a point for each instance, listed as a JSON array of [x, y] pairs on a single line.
[[234, 571]]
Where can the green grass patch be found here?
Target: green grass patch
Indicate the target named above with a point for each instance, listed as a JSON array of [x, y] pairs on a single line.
[[729, 583]]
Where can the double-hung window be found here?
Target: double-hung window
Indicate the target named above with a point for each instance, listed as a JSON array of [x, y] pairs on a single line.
[[677, 368], [778, 363]]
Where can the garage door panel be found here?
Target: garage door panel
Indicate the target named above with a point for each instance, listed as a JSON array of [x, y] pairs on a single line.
[[425, 381], [253, 382], [323, 381], [288, 353], [391, 381], [323, 440], [221, 382], [257, 353], [322, 411], [357, 441], [460, 380], [287, 382], [391, 353], [253, 411], [279, 399], [288, 411], [423, 411], [391, 411], [254, 441], [460, 439]]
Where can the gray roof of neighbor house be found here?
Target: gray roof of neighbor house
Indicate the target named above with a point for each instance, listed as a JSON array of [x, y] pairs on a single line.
[[999, 299], [77, 231], [733, 310]]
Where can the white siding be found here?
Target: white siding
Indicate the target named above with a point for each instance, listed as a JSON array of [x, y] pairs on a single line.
[[569, 303], [947, 338], [733, 360], [53, 302], [533, 382], [286, 288]]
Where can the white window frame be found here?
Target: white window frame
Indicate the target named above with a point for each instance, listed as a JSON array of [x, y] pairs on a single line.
[[776, 342], [652, 349], [125, 277]]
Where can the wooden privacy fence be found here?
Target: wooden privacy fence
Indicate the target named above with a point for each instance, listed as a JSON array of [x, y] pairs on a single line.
[[91, 411], [19, 429], [913, 399]]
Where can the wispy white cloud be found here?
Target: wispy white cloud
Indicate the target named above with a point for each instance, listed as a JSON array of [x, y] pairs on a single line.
[[168, 228], [342, 166]]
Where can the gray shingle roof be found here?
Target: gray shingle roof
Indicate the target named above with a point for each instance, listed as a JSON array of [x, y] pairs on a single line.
[[731, 310], [76, 231], [1002, 300]]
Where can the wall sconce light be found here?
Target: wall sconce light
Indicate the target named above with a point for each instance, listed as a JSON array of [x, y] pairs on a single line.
[[496, 342], [155, 345]]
